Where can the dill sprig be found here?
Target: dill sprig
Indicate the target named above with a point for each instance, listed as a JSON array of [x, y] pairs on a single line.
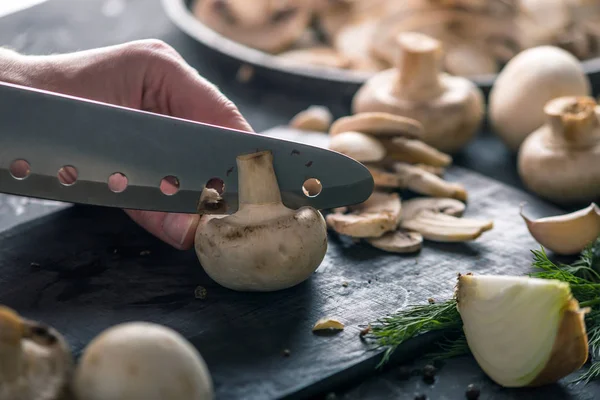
[[583, 277]]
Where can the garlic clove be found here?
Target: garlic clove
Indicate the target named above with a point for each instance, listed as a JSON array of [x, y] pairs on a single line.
[[522, 331], [440, 227], [325, 324], [359, 146], [399, 241], [414, 151], [424, 182], [566, 234], [378, 124], [448, 206], [379, 214], [314, 118]]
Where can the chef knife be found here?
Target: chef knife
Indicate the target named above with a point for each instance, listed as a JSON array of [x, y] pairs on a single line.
[[47, 131]]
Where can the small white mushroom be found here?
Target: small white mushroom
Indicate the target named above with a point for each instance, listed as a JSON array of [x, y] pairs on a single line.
[[399, 241], [379, 124], [379, 214], [450, 108], [140, 360], [35, 360], [359, 146], [314, 118], [560, 160], [264, 246], [524, 86]]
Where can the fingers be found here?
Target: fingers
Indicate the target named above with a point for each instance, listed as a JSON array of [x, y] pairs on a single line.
[[178, 230]]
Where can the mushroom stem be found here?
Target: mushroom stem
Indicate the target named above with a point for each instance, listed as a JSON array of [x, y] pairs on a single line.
[[573, 120], [419, 67], [257, 180]]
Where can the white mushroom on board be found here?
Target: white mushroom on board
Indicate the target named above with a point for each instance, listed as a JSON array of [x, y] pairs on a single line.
[[559, 161], [449, 108], [314, 118], [141, 360], [264, 246], [526, 84], [262, 24], [35, 360]]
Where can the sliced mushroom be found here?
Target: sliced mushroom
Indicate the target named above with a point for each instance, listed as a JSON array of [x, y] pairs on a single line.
[[322, 56], [36, 359], [415, 151], [270, 26], [378, 124], [438, 171], [399, 241], [448, 206], [441, 227], [359, 146], [354, 41], [470, 60], [314, 118], [379, 214], [423, 182], [383, 178]]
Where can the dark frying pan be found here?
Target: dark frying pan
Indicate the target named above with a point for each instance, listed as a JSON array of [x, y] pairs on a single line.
[[341, 81]]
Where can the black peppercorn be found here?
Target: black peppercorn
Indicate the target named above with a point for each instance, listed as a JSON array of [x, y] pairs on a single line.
[[472, 392], [429, 373]]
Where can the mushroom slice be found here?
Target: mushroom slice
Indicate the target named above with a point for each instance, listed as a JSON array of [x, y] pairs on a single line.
[[270, 26], [359, 146], [415, 151], [36, 360], [453, 207], [314, 118], [440, 227], [328, 324], [424, 182], [383, 178], [399, 241], [321, 56], [438, 171], [469, 60], [378, 124], [379, 214], [354, 41]]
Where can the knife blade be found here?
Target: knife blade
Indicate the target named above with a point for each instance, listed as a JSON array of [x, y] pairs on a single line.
[[50, 131]]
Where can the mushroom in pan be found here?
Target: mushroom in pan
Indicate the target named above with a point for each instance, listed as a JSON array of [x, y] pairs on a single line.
[[449, 108], [559, 161], [271, 26], [36, 362], [264, 246]]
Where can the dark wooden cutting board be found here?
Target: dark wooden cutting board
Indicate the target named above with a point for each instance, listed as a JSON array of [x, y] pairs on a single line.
[[82, 269]]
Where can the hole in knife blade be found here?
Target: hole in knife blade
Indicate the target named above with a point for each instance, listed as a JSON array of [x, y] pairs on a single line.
[[312, 187], [169, 185], [117, 182], [67, 175], [216, 184], [20, 169]]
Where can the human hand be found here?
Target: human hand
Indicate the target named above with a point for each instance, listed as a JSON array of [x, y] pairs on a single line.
[[148, 75]]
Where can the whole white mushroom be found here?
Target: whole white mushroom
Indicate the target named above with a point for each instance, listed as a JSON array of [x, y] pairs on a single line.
[[140, 360]]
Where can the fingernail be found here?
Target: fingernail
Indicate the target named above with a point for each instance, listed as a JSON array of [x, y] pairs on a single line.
[[177, 226]]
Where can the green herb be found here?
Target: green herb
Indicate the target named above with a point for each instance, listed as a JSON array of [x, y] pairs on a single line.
[[583, 276]]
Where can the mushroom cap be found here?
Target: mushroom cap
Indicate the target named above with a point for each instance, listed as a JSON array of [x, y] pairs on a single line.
[[262, 24], [399, 241], [559, 174], [262, 247], [36, 359], [378, 124], [359, 146], [140, 360], [449, 121], [379, 214], [524, 86]]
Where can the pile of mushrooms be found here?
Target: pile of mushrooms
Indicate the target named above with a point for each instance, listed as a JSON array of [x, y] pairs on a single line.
[[393, 150], [480, 35], [135, 360]]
